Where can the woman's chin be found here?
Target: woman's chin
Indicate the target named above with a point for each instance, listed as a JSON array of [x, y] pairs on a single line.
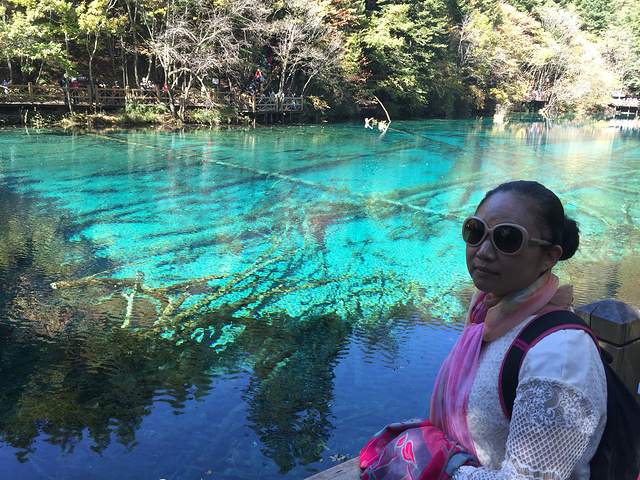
[[486, 282]]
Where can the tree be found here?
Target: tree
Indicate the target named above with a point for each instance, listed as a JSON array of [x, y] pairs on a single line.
[[151, 14], [402, 44], [26, 36], [622, 40], [94, 20], [500, 55], [512, 54], [60, 19], [305, 45], [595, 14], [203, 38], [133, 9], [432, 57], [580, 74]]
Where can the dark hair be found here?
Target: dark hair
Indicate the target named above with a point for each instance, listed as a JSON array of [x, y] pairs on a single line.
[[564, 231]]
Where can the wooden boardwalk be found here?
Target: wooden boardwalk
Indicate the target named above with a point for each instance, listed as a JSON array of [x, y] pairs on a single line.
[[624, 105], [112, 98]]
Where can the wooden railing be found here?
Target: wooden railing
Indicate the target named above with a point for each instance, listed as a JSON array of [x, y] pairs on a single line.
[[626, 102], [271, 104], [31, 94]]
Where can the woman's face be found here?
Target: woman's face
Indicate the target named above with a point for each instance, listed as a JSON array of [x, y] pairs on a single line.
[[500, 274]]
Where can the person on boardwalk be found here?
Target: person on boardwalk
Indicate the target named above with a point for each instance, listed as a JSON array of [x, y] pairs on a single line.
[[514, 239], [5, 89], [74, 86], [259, 81]]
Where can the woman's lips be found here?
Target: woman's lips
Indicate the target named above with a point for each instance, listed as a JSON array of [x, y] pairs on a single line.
[[484, 270]]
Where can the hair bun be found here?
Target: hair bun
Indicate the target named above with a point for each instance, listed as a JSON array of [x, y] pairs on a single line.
[[570, 238]]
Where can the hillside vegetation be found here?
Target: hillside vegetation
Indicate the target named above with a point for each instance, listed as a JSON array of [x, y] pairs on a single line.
[[431, 58]]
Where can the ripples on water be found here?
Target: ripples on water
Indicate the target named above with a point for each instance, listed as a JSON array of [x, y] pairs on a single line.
[[251, 303]]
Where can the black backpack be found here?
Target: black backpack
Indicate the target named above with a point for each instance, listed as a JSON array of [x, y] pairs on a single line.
[[618, 454]]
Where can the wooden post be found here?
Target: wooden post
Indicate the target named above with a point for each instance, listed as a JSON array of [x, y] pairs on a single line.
[[617, 326], [30, 86]]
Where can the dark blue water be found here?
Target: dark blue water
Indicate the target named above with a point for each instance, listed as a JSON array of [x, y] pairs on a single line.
[[251, 303]]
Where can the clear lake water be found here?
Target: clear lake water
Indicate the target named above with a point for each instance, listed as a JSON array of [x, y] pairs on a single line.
[[256, 303]]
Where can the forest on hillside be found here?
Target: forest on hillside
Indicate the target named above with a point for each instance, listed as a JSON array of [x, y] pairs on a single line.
[[426, 58]]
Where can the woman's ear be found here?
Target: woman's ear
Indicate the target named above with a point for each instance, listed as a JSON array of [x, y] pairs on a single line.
[[551, 257]]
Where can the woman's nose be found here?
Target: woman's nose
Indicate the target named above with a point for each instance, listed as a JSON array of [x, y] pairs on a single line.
[[486, 249]]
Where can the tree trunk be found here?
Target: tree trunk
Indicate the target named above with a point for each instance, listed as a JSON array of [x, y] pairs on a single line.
[[150, 68], [91, 84], [67, 90], [39, 72], [136, 76], [10, 69], [172, 107], [184, 98], [133, 18], [112, 54], [125, 72]]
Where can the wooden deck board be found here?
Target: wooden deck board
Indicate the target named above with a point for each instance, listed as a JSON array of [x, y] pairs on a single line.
[[349, 470]]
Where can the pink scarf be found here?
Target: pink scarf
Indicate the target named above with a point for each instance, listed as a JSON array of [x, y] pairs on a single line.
[[489, 317]]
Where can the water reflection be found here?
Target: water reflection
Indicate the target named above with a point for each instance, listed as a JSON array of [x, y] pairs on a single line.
[[291, 389], [71, 368], [101, 382]]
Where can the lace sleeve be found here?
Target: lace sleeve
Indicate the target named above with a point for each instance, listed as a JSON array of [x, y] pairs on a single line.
[[550, 428]]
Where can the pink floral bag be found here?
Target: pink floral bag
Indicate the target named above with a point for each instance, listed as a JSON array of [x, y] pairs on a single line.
[[412, 450]]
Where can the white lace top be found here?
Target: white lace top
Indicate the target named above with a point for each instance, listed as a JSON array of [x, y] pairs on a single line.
[[558, 415]]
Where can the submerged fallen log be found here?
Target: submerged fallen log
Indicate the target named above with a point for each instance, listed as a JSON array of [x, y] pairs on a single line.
[[258, 283]]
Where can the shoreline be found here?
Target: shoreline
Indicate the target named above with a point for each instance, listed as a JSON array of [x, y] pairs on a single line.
[[159, 117], [156, 116]]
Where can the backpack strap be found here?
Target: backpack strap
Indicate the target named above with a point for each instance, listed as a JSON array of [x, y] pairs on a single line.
[[531, 334]]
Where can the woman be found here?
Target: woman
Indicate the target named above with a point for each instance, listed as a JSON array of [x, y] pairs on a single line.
[[517, 234]]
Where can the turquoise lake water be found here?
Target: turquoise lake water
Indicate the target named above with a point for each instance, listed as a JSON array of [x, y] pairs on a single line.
[[256, 303]]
